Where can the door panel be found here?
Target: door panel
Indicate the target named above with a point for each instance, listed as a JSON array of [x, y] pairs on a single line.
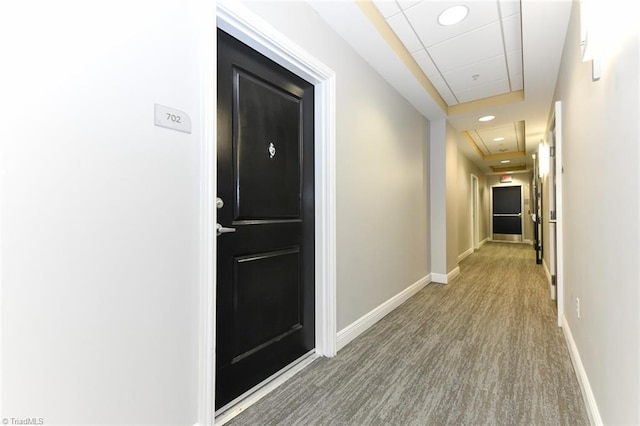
[[265, 316], [506, 200], [267, 293], [507, 225], [507, 213], [268, 145]]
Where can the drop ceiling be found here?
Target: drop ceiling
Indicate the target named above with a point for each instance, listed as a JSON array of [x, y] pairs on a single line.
[[477, 58], [512, 47]]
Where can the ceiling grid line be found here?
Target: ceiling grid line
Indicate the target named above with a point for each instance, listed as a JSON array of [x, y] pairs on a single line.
[[504, 47], [402, 11]]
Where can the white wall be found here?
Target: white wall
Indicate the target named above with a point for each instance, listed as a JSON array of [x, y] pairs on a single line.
[[602, 209], [382, 185], [99, 212]]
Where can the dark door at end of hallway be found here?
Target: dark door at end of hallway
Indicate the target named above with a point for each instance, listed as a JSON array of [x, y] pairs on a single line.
[[265, 317], [507, 213]]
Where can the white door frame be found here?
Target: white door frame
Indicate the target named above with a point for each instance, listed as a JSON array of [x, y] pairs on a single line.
[[246, 26], [556, 129], [475, 232]]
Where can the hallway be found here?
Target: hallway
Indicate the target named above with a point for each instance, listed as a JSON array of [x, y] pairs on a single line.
[[484, 349]]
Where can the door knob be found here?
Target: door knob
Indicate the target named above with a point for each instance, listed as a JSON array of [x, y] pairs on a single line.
[[222, 230], [219, 203]]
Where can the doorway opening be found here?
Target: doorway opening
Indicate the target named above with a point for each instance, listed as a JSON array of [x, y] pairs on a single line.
[[555, 210]]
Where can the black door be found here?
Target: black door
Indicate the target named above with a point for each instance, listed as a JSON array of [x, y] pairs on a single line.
[[265, 262], [507, 213]]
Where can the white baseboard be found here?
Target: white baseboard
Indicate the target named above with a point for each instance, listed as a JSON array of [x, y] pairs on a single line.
[[444, 279], [451, 275], [362, 324], [438, 278], [465, 254], [530, 242], [581, 374], [546, 270], [483, 242], [552, 289]]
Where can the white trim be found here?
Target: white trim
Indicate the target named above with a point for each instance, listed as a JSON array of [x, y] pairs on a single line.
[[206, 340], [546, 270], [255, 394], [552, 289], [485, 241], [445, 279], [235, 19], [475, 220], [438, 278], [559, 213], [583, 379], [362, 324], [464, 255]]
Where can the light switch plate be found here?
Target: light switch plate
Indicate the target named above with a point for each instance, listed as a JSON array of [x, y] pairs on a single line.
[[172, 118]]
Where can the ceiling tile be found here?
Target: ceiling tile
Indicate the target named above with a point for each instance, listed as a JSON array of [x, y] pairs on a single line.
[[516, 82], [486, 71], [489, 133], [424, 18], [402, 28], [387, 8], [513, 134], [478, 141], [490, 89], [512, 33], [509, 7], [514, 59], [449, 99], [471, 47], [425, 62], [406, 4], [440, 85], [502, 148]]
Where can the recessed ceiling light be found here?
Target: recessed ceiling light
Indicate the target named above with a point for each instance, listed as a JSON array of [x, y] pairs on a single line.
[[505, 161], [487, 118], [498, 139], [453, 15]]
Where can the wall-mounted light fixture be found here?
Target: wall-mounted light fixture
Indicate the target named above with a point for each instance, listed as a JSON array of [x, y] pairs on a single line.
[[543, 160], [591, 36]]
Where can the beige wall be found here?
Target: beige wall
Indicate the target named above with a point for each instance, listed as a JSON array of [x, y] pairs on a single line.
[[524, 180], [465, 238], [381, 167], [602, 209], [452, 197]]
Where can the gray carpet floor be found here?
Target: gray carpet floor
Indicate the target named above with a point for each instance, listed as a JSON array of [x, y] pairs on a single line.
[[482, 350]]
